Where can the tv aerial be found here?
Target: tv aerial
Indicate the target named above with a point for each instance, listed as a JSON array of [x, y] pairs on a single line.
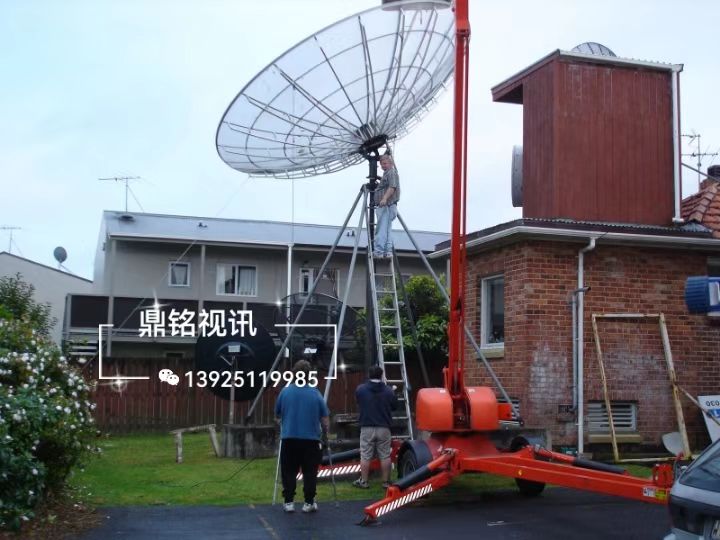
[[336, 99]]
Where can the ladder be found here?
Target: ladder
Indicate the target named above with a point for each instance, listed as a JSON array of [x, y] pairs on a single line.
[[389, 338]]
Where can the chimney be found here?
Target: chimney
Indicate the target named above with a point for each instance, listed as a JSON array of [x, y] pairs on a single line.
[[714, 172]]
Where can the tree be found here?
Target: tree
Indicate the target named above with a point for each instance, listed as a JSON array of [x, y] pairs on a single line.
[[17, 302], [46, 424]]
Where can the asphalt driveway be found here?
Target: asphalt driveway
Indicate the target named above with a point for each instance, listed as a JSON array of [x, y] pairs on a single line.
[[557, 514]]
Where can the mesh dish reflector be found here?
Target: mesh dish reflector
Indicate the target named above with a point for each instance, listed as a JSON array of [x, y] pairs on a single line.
[[367, 77]]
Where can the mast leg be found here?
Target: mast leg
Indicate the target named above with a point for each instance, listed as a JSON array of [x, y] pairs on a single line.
[[275, 363]]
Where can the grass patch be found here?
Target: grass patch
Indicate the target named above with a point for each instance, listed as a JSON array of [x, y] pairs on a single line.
[[141, 470]]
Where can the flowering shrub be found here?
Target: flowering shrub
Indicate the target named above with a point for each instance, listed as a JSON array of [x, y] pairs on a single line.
[[46, 426]]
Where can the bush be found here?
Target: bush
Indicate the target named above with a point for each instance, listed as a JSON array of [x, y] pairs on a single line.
[[46, 426]]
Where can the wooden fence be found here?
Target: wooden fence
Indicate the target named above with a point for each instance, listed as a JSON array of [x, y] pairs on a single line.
[[152, 405]]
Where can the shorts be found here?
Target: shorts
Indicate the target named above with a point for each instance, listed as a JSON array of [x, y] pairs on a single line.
[[374, 440]]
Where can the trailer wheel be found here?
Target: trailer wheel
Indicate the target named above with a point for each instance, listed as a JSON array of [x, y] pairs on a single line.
[[412, 456], [528, 488], [408, 463]]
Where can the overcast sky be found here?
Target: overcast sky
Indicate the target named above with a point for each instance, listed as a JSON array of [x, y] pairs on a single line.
[[96, 89]]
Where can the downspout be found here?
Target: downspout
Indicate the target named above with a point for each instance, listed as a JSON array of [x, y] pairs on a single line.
[[677, 174], [573, 307], [581, 345]]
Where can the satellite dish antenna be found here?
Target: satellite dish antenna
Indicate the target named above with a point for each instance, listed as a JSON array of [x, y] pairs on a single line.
[[591, 47], [337, 97], [60, 255], [316, 343]]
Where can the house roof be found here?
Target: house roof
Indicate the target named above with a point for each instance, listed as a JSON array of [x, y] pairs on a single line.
[[703, 207], [163, 227], [44, 266], [690, 234], [508, 91]]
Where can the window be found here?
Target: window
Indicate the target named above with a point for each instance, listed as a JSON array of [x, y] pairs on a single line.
[[328, 283], [307, 275], [179, 274], [624, 416], [492, 318], [237, 280]]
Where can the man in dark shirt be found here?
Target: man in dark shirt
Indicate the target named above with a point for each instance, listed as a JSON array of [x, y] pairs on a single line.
[[376, 400], [304, 416]]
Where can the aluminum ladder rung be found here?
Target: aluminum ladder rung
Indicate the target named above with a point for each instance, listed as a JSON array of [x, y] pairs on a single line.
[[387, 279]]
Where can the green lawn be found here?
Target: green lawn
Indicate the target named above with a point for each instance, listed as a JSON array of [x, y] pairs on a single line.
[[141, 470]]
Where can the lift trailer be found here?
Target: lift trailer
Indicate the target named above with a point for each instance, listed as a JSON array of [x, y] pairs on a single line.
[[463, 422]]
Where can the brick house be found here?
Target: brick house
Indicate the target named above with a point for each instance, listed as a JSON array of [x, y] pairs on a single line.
[[603, 231]]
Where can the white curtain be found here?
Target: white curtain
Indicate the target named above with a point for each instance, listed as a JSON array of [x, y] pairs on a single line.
[[179, 274], [246, 281], [225, 279]]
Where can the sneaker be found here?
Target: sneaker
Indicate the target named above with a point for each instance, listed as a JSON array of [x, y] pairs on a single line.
[[289, 507], [378, 255], [387, 256], [309, 507], [360, 483], [386, 485]]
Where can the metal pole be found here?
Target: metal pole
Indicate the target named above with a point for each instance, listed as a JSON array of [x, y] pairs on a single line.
[[291, 329], [370, 342], [411, 320], [358, 231], [277, 471], [479, 352]]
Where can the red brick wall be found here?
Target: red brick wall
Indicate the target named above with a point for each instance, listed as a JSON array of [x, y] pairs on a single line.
[[537, 362]]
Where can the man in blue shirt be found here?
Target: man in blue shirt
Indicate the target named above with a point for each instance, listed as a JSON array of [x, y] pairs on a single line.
[[304, 416], [376, 401]]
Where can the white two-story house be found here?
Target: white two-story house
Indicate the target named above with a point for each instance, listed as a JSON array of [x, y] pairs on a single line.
[[196, 264]]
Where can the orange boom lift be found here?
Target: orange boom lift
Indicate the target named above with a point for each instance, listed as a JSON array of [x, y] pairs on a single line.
[[465, 423]]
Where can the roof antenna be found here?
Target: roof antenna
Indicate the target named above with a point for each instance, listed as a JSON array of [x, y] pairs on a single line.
[[11, 229], [127, 180], [60, 254], [699, 154]]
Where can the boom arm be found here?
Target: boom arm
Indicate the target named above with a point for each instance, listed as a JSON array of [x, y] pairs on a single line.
[[454, 380]]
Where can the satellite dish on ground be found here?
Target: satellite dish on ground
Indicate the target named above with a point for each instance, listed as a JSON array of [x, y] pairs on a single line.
[[60, 254], [250, 355], [337, 97], [591, 47], [316, 343]]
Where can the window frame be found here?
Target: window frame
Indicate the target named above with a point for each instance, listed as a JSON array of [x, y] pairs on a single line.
[[311, 278], [170, 274], [485, 312], [237, 266]]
